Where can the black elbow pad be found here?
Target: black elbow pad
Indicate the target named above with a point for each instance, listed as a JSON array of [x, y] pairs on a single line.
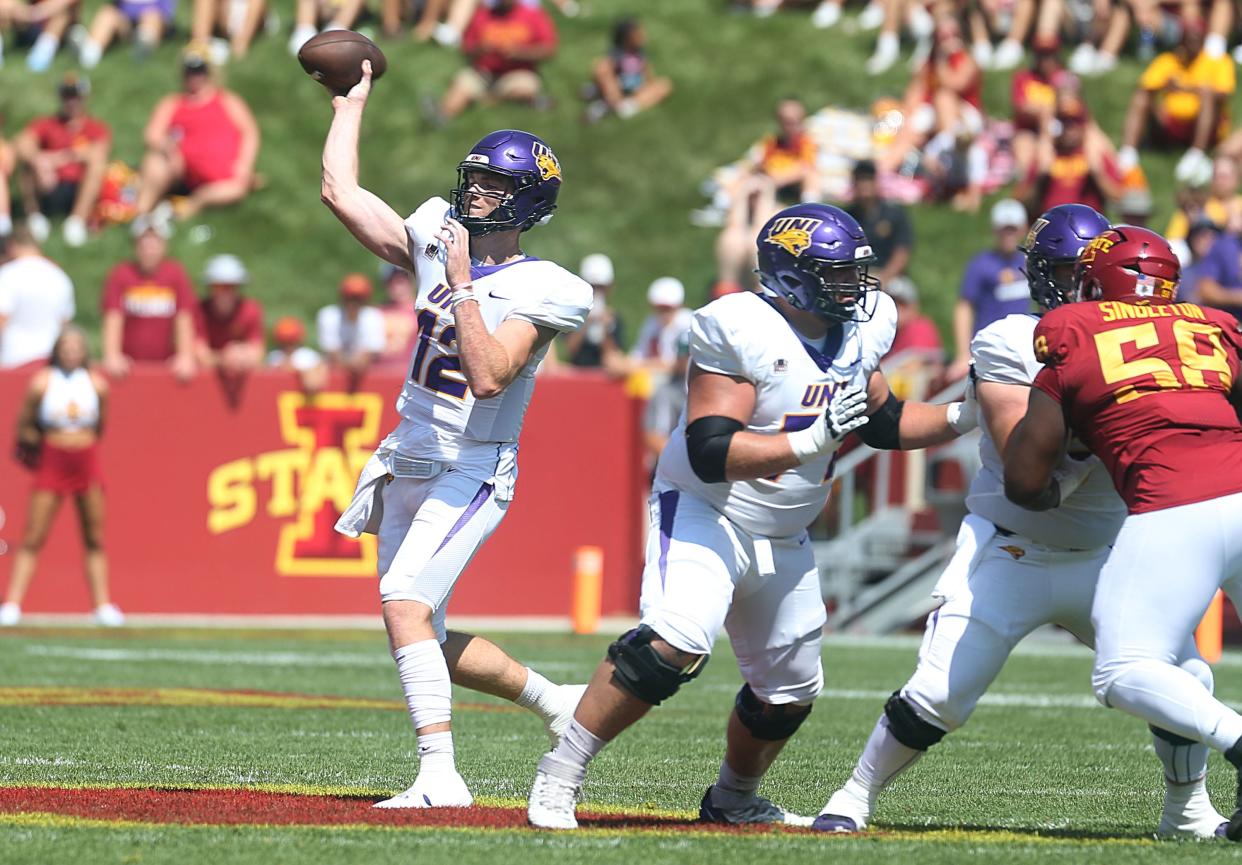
[[882, 430], [707, 444]]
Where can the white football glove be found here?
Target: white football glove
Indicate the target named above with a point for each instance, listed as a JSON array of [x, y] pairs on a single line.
[[964, 416], [846, 413]]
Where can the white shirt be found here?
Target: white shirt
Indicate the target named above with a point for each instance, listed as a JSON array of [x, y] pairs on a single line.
[[441, 419], [338, 334], [70, 401], [301, 358], [1091, 516], [658, 341], [37, 298], [744, 335]]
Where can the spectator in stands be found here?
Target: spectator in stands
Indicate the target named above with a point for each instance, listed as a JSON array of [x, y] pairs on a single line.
[[1101, 28], [226, 27], [36, 302], [597, 344], [1011, 21], [309, 16], [956, 166], [149, 308], [400, 320], [504, 44], [147, 20], [58, 430], [1033, 95], [1182, 101], [993, 285], [655, 349], [885, 222], [1217, 202], [41, 24], [666, 403], [230, 325], [1200, 238], [889, 16], [623, 83], [947, 89], [351, 333], [292, 355], [1219, 279], [1073, 164], [62, 159], [917, 354], [203, 139]]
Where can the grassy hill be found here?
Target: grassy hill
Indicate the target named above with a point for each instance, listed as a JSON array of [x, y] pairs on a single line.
[[629, 185]]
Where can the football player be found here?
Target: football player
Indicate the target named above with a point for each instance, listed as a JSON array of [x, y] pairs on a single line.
[[1150, 386], [1016, 570], [440, 483], [776, 382]]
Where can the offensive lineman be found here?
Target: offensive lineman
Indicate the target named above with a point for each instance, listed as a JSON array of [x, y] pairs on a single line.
[[1016, 570], [441, 482], [1151, 387], [775, 384]]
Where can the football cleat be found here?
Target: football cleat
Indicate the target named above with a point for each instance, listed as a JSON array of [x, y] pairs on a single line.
[[845, 812], [835, 823], [559, 723], [432, 790], [756, 809], [552, 798]]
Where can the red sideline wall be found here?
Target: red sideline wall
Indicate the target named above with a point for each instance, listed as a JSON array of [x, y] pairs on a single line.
[[228, 508]]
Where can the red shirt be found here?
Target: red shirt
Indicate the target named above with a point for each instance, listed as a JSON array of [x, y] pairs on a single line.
[[1069, 181], [1029, 94], [973, 94], [148, 304], [244, 325], [1146, 387], [207, 137], [520, 27], [55, 134], [919, 333]]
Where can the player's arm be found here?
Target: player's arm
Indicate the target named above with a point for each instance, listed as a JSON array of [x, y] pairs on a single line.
[[376, 225], [902, 425], [1035, 449]]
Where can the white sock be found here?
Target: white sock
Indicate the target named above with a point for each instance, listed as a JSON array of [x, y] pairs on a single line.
[[538, 695], [882, 760], [733, 787], [578, 748], [425, 682], [887, 43], [435, 752], [1172, 699]]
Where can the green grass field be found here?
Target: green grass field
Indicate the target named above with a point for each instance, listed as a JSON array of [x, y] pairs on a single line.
[[1041, 774], [629, 185]]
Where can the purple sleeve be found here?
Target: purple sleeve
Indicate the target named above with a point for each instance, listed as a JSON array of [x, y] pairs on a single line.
[[1220, 263], [973, 280]]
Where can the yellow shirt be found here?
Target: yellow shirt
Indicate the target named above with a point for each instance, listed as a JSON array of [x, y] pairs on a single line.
[[1214, 73], [1214, 209]]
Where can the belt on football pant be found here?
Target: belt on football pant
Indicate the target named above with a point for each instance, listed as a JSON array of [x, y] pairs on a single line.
[[412, 467]]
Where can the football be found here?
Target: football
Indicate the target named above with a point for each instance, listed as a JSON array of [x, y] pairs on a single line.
[[334, 59]]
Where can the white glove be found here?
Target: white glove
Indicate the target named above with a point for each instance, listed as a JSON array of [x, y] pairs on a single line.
[[845, 414], [1071, 473], [964, 416], [1127, 158], [1193, 168]]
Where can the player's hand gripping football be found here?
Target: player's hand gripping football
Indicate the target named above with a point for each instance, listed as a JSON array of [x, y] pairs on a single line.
[[846, 413], [456, 241], [357, 95]]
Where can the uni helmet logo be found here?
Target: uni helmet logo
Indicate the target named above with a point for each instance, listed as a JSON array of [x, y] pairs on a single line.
[[1036, 228], [478, 157], [546, 161], [862, 252], [793, 233]]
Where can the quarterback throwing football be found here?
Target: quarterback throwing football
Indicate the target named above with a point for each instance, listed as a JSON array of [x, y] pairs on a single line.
[[1150, 386], [441, 482], [776, 382]]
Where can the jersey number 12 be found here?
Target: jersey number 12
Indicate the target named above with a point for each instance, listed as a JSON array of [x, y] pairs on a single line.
[[439, 374]]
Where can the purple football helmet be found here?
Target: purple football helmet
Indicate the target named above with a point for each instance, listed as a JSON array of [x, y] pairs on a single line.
[[816, 256], [536, 175], [1053, 244]]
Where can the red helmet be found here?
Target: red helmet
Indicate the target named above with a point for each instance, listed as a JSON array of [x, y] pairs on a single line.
[[1127, 262]]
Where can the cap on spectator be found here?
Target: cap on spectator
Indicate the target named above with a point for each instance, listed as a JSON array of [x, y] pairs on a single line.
[[355, 286], [144, 223], [666, 291], [288, 330], [1047, 43], [225, 270], [864, 169], [902, 290], [596, 269], [1008, 213], [194, 61], [73, 85]]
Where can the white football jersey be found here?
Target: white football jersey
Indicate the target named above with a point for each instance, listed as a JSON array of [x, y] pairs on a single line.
[[1089, 517], [744, 335], [441, 419]]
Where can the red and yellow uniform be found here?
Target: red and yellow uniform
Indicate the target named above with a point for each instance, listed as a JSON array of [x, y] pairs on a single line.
[[1179, 84], [1146, 386]]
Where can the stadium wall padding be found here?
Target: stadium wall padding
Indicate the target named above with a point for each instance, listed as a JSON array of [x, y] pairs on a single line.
[[222, 500]]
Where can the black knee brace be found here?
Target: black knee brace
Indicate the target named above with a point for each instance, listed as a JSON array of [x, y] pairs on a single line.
[[1171, 738], [765, 721], [642, 670], [908, 728]]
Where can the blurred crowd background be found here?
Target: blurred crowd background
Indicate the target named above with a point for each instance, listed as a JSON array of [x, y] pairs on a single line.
[[159, 162]]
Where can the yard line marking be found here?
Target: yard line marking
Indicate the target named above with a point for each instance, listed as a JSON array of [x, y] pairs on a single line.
[[258, 659], [1026, 701]]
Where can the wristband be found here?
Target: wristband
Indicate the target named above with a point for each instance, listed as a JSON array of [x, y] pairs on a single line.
[[961, 417], [462, 294], [809, 443]]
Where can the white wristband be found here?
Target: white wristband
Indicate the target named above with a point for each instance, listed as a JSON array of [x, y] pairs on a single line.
[[812, 442], [463, 294], [962, 417]]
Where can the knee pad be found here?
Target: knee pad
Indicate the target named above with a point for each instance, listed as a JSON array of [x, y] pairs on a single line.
[[908, 728], [643, 671], [768, 722]]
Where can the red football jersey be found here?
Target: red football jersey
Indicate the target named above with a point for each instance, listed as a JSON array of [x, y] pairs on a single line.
[[1146, 386]]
